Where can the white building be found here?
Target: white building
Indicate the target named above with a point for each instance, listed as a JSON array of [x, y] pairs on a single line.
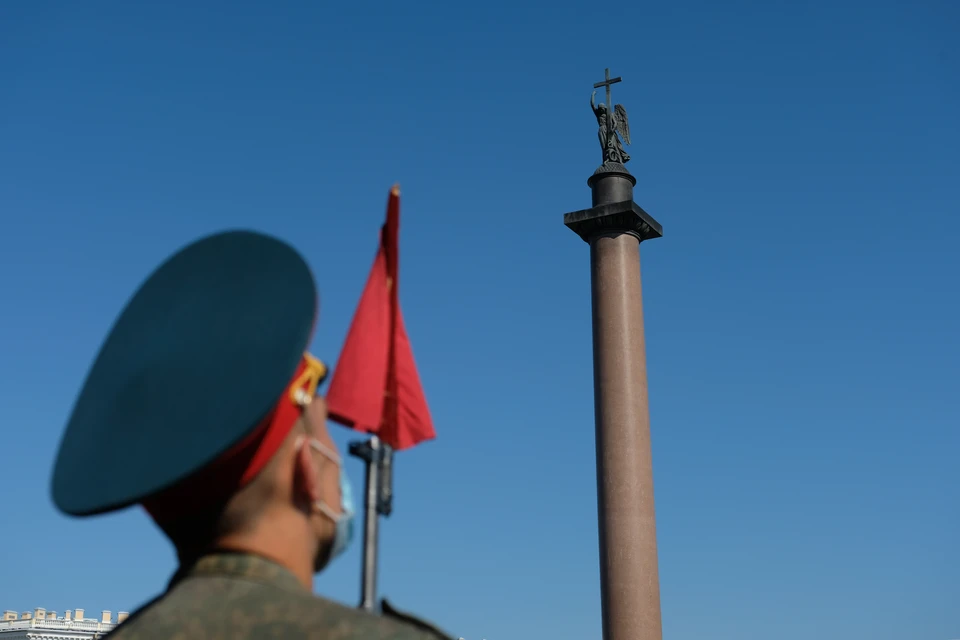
[[41, 624]]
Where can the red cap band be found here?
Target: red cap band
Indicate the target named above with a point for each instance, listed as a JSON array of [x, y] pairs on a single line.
[[240, 464]]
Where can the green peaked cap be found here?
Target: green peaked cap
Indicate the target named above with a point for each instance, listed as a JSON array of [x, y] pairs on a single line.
[[199, 356]]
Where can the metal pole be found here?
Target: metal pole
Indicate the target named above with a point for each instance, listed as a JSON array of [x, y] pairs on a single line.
[[385, 499], [370, 452]]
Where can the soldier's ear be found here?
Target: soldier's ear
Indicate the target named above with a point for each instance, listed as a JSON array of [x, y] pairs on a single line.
[[306, 476]]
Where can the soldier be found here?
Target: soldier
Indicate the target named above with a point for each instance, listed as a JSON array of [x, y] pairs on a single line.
[[201, 406]]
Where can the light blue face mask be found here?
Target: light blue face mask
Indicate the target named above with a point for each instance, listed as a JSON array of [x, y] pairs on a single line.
[[344, 519], [344, 535]]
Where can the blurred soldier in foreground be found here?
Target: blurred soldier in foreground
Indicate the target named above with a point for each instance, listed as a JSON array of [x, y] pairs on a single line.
[[201, 407]]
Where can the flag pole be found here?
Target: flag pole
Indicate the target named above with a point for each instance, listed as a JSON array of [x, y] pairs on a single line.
[[377, 501]]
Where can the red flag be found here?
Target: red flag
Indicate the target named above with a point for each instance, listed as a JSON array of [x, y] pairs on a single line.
[[375, 386]]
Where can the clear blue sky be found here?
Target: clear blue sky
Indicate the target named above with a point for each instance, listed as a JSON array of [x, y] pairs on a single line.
[[801, 310]]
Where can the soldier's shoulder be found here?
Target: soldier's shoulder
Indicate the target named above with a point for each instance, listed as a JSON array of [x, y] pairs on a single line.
[[250, 612], [427, 628], [392, 624]]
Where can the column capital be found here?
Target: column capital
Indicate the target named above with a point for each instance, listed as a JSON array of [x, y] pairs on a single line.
[[614, 217]]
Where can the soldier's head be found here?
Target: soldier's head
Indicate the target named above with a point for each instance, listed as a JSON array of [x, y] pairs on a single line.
[[202, 407], [295, 501]]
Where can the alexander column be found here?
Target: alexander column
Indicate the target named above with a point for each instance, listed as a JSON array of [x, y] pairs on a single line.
[[614, 227]]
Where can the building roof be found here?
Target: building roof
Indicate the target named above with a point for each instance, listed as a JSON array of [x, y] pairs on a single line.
[[73, 624]]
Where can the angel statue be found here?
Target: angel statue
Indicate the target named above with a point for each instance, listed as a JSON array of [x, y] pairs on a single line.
[[609, 128]]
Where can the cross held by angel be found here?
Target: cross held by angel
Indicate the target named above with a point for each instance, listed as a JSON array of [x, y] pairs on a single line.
[[611, 124]]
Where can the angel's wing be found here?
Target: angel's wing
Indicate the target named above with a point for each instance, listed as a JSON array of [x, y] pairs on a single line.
[[620, 122]]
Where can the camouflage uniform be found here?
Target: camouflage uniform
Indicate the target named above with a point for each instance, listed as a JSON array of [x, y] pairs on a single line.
[[234, 596]]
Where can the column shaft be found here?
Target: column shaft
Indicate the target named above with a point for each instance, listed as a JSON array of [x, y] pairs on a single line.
[[630, 585]]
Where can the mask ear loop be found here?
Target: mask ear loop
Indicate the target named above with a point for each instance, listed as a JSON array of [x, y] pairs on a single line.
[[327, 511], [331, 455]]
